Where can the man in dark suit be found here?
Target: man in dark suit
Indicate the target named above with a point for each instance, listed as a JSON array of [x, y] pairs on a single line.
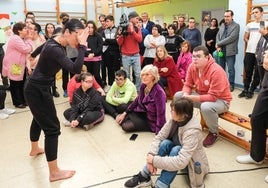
[[146, 23]]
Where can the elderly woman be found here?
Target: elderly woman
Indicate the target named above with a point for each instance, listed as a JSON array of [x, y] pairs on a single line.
[[169, 76], [14, 62], [147, 111]]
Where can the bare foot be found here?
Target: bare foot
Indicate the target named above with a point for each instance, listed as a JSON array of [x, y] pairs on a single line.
[[61, 174], [36, 152]]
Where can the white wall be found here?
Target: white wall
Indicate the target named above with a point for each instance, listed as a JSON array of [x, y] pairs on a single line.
[[239, 7]]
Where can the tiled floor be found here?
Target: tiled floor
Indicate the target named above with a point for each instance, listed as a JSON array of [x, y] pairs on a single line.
[[104, 157]]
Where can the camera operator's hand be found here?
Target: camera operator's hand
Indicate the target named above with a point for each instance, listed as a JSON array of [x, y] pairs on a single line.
[[119, 32], [131, 27]]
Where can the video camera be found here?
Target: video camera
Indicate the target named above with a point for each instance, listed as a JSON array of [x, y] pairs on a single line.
[[123, 24]]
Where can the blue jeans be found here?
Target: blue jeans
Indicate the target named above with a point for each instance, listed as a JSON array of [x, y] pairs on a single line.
[[133, 61], [230, 62], [167, 148]]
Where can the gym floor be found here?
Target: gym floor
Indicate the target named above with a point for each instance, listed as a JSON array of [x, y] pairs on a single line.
[[104, 157]]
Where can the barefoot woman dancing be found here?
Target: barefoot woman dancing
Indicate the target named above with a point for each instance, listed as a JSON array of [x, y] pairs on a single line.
[[37, 92]]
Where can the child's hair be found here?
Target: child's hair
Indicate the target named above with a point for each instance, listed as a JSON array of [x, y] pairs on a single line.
[[82, 76], [183, 106], [188, 44], [120, 73]]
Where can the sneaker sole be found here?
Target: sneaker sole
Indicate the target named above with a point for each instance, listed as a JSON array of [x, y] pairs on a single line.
[[144, 184]]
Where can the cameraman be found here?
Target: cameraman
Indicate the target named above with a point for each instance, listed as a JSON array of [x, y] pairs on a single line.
[[129, 44]]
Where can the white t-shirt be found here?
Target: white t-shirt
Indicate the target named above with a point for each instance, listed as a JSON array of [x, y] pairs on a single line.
[[254, 36]]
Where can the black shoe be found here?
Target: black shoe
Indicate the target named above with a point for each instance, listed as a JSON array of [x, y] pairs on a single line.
[[20, 106], [249, 95], [138, 181], [231, 88], [55, 93], [243, 94]]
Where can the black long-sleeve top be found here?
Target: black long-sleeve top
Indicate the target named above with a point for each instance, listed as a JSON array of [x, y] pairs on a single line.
[[84, 102], [95, 44], [52, 59]]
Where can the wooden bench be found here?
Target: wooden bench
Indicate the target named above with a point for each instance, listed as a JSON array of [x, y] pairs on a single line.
[[235, 119]]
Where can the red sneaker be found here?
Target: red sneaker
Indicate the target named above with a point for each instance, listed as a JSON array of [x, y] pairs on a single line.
[[210, 139]]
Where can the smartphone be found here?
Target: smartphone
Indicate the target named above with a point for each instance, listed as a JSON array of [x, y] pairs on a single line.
[[133, 137], [262, 25]]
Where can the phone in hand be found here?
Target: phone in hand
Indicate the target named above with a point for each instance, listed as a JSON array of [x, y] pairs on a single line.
[[262, 25], [133, 137]]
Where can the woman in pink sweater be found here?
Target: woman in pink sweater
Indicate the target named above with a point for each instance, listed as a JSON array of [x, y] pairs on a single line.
[[185, 59], [14, 62]]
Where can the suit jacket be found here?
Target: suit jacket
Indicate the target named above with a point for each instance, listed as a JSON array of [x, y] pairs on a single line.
[[230, 42]]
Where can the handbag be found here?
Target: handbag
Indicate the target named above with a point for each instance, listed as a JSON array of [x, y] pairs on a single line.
[[16, 69]]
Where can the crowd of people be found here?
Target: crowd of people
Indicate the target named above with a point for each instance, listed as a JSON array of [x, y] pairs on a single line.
[[126, 73]]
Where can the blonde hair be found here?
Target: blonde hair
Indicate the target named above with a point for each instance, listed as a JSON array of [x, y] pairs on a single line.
[[153, 70], [157, 58]]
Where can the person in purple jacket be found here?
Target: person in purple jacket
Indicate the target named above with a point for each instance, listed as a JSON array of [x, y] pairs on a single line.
[[147, 111]]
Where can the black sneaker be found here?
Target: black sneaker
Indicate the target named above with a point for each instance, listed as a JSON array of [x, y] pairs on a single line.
[[242, 94], [138, 181], [231, 88], [249, 95]]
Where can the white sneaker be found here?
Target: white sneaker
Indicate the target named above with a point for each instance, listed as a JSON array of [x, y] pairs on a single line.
[[3, 116], [66, 123], [266, 179], [247, 159], [8, 111]]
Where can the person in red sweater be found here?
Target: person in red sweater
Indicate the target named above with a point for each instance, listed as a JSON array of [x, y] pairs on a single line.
[[169, 76], [73, 85], [208, 86], [129, 43]]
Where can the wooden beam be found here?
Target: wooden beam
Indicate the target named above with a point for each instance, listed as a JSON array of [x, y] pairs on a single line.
[[85, 2], [136, 3]]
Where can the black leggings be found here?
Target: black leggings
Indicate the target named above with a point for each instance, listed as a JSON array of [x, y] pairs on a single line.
[[136, 121], [89, 117], [252, 78], [259, 119], [3, 95], [45, 118]]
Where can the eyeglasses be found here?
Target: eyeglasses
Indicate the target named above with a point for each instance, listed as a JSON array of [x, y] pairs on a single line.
[[119, 79], [199, 56], [88, 81]]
